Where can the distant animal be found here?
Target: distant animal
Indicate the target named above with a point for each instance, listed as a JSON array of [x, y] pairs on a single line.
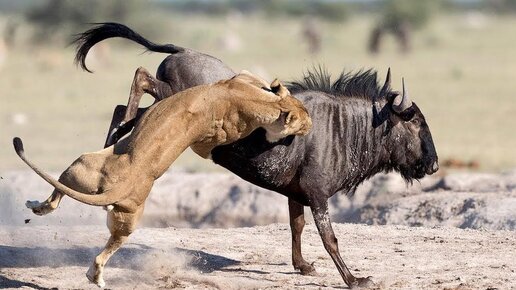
[[359, 130], [399, 27], [4, 53], [312, 35], [121, 176]]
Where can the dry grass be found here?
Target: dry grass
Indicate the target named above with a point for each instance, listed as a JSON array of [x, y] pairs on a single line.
[[461, 74]]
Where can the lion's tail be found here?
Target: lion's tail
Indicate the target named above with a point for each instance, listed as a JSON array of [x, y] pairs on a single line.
[[102, 31], [98, 199]]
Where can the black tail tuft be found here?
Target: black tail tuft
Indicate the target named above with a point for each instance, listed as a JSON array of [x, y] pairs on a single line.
[[18, 146], [86, 40]]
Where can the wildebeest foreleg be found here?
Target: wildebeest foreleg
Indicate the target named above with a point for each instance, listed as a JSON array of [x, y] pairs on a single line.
[[143, 82], [322, 221], [297, 223]]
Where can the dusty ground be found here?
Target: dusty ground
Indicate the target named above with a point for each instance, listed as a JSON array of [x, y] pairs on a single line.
[[465, 237], [197, 200], [59, 122], [397, 257]]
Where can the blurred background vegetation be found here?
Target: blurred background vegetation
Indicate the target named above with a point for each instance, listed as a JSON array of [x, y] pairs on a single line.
[[456, 55]]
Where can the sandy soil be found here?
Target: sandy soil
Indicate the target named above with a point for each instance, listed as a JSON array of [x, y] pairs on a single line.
[[462, 236], [398, 257]]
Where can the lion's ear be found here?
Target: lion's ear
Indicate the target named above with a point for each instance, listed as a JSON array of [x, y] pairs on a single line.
[[278, 89]]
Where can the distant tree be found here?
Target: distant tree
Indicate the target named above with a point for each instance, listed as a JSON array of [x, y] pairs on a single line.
[[332, 11], [502, 5], [58, 15], [328, 10]]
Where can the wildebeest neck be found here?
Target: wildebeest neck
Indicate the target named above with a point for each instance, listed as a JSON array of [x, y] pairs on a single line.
[[342, 149], [347, 142]]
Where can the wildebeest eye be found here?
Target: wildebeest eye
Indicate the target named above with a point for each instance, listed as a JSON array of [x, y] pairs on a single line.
[[416, 122]]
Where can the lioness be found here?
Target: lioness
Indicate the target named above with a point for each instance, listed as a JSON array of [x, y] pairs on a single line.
[[203, 117]]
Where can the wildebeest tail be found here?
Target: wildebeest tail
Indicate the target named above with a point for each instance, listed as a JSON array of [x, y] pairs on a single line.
[[102, 31], [101, 199]]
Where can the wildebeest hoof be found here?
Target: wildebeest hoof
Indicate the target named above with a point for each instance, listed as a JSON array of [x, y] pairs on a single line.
[[94, 278], [39, 208], [307, 270], [122, 123], [362, 283]]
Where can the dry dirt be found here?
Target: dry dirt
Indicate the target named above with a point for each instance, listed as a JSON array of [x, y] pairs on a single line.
[[398, 257], [451, 232]]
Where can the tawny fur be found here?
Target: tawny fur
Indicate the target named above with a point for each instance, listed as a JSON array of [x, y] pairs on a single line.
[[203, 117]]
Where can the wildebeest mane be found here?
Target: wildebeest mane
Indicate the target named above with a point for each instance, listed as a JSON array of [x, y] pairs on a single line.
[[361, 84]]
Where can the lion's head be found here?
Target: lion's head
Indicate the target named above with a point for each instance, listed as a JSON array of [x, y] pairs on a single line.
[[293, 119], [271, 107]]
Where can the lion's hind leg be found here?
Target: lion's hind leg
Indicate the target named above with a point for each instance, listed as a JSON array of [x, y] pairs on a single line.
[[46, 207], [121, 225], [96, 271], [83, 175]]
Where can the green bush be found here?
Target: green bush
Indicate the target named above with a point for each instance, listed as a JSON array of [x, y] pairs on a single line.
[[333, 11], [502, 6]]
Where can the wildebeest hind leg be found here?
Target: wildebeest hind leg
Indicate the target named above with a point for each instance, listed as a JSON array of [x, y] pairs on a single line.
[[144, 82], [297, 223], [322, 221], [118, 128], [113, 135]]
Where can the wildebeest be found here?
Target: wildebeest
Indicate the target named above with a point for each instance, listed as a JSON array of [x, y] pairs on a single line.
[[182, 69], [121, 176], [351, 141], [358, 131], [397, 27]]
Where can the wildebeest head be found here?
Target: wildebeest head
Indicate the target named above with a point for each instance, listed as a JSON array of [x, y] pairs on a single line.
[[413, 153]]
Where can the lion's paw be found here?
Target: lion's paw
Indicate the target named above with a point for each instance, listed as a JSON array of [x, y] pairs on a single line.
[[94, 278], [39, 208]]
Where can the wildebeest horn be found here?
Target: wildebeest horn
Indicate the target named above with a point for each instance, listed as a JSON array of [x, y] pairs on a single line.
[[403, 102], [387, 84]]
